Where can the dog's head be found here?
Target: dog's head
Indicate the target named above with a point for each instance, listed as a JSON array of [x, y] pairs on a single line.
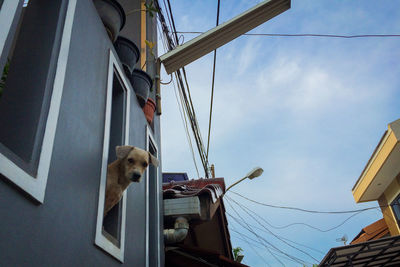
[[134, 161]]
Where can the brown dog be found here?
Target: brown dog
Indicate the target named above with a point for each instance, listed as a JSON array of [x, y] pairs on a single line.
[[130, 165]]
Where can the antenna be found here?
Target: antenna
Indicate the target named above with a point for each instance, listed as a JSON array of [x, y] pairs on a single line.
[[343, 239]]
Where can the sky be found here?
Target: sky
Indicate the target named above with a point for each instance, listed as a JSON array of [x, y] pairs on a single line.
[[309, 111]]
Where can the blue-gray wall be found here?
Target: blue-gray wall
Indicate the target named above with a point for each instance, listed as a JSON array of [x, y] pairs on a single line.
[[61, 231]]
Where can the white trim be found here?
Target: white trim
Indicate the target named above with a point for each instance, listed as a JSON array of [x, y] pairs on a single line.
[[36, 186], [150, 138], [100, 239], [7, 14]]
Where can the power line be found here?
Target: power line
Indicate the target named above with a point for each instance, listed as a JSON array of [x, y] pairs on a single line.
[[272, 233], [300, 209], [212, 87], [300, 223], [255, 251], [259, 237], [184, 87], [181, 108], [312, 35], [247, 238], [190, 107], [183, 116], [262, 240]]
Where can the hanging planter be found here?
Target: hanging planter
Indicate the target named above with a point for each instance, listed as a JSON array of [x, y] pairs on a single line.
[[128, 53], [141, 83], [149, 109], [112, 15]]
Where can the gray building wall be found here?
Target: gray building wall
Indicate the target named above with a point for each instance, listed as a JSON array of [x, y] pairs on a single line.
[[61, 231]]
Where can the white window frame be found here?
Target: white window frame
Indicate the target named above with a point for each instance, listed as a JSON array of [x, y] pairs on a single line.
[[100, 239], [7, 14], [150, 138], [35, 186]]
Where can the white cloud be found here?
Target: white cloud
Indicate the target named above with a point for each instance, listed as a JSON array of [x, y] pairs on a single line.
[[248, 54]]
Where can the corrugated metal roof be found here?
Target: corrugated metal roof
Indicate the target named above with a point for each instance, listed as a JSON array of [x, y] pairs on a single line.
[[213, 187], [381, 252]]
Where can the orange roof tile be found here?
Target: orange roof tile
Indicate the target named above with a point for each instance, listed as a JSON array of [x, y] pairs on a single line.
[[373, 231]]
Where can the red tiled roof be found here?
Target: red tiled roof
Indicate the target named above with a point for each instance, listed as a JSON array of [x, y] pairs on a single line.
[[373, 231]]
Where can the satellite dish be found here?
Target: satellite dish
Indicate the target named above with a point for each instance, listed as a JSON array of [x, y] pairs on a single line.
[[343, 239]]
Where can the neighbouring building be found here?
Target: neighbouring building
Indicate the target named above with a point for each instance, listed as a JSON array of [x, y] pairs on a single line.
[[377, 244], [65, 103], [196, 228]]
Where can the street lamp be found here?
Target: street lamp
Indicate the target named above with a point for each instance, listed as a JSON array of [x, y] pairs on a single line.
[[251, 175]]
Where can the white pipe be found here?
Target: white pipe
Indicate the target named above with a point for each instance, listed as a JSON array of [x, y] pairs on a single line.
[[179, 233]]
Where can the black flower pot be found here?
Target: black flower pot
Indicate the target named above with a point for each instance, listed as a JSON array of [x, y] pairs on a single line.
[[112, 15], [128, 53], [141, 83]]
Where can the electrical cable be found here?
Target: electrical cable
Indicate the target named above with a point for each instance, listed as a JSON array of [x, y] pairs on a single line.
[[259, 228], [182, 114], [262, 240], [186, 96], [272, 233], [305, 224], [189, 103], [300, 209], [190, 107], [259, 237], [212, 87], [255, 251], [245, 237], [311, 35]]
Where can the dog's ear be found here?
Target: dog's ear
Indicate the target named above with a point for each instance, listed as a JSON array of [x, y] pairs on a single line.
[[153, 160], [123, 151]]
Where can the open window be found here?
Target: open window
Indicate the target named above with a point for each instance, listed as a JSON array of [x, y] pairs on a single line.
[[110, 230], [153, 195], [31, 87]]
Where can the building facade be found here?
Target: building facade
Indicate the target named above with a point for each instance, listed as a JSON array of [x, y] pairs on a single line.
[[380, 179], [65, 103]]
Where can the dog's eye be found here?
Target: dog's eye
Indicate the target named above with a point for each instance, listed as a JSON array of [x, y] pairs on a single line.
[[145, 164], [131, 161]]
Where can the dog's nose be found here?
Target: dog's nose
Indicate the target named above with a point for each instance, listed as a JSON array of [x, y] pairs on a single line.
[[136, 176]]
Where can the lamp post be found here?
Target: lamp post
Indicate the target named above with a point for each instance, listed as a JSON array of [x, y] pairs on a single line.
[[254, 173]]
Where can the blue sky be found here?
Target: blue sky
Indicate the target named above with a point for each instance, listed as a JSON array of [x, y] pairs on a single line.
[[310, 111]]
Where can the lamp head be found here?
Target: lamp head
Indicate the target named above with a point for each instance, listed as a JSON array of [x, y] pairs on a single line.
[[255, 173]]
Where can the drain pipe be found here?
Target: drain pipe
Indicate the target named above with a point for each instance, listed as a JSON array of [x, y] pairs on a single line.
[[179, 233]]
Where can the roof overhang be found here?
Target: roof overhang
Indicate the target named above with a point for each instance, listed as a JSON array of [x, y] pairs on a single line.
[[222, 34], [381, 252], [382, 168]]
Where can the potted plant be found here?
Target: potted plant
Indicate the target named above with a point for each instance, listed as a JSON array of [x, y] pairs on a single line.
[[141, 83], [112, 15], [128, 53], [149, 109], [151, 105]]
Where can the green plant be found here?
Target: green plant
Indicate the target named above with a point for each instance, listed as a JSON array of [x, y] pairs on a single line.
[[150, 45], [150, 9], [236, 252], [4, 77]]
